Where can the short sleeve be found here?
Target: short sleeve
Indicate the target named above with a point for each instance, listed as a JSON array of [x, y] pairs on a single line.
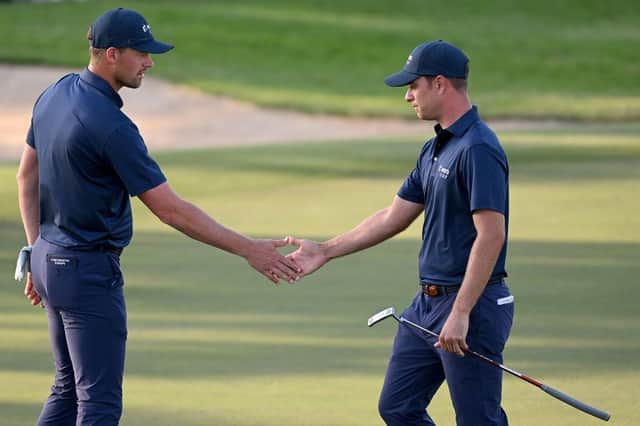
[[31, 140], [411, 189], [485, 172], [128, 155]]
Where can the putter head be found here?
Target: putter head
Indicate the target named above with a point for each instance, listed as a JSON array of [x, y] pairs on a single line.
[[374, 319]]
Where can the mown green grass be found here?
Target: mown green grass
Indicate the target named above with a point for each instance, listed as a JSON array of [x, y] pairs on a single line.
[[573, 59], [213, 343]]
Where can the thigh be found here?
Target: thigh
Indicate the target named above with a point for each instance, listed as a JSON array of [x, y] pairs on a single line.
[[475, 385], [95, 320], [414, 373], [86, 288], [65, 381], [97, 339], [96, 335]]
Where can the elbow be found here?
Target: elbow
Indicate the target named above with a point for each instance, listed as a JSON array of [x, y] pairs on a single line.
[[174, 214], [21, 178], [392, 224], [167, 216], [26, 182], [496, 239], [492, 240]]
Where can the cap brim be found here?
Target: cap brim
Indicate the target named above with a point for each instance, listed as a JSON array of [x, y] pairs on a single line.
[[401, 78], [153, 46]]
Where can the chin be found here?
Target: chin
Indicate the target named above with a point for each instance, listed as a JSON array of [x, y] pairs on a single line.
[[133, 84]]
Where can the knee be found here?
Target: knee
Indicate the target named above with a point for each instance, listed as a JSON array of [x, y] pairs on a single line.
[[99, 406], [389, 412], [99, 413], [402, 413], [64, 390]]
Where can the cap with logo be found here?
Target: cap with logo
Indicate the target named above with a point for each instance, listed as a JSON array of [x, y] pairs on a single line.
[[431, 58], [125, 28]]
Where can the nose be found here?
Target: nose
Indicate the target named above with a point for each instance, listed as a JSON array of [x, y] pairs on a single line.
[[408, 96], [148, 62]]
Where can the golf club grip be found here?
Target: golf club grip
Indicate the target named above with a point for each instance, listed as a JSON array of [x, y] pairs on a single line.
[[575, 403]]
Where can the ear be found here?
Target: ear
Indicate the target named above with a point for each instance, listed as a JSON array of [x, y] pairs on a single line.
[[111, 55], [441, 83]]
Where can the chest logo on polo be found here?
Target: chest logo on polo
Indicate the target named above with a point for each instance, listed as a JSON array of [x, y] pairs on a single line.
[[443, 172]]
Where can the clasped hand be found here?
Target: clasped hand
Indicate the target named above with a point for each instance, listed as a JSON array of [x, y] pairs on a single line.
[[266, 259]]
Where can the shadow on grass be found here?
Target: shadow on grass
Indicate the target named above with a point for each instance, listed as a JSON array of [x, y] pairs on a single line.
[[204, 313], [15, 414]]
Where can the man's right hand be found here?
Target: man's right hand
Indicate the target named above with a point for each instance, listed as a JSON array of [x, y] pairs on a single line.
[[265, 258], [31, 294]]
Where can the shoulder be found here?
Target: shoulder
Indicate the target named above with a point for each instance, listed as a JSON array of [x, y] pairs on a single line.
[[481, 147], [481, 136], [426, 146], [123, 138], [54, 87], [101, 117]]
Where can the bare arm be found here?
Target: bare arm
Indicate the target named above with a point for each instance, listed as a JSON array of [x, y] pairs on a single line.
[[375, 229], [28, 198], [490, 228], [378, 227], [187, 218], [29, 201]]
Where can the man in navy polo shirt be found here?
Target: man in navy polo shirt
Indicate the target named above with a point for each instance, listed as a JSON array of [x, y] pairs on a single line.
[[460, 183], [83, 160]]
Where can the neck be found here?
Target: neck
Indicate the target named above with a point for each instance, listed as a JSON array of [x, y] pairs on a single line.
[[455, 108], [101, 71]]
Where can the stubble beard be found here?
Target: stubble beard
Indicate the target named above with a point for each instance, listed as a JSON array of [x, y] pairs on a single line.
[[131, 84]]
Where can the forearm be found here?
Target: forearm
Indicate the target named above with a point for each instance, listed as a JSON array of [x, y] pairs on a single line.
[[28, 195], [195, 223], [482, 260], [373, 230], [30, 213]]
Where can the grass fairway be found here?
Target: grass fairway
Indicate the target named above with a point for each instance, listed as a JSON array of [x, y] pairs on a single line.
[[573, 59], [212, 343]]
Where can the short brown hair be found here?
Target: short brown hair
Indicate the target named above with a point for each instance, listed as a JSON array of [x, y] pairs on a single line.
[[94, 51], [460, 84]]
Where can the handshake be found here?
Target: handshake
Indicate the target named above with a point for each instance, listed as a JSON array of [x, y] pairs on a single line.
[[264, 257]]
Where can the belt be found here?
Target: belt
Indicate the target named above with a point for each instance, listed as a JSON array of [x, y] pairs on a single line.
[[117, 251], [113, 250], [435, 290]]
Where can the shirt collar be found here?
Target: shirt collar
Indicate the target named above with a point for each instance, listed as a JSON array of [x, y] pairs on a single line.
[[460, 126], [101, 84]]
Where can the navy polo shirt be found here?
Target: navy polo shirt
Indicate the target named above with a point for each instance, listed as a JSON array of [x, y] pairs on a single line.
[[91, 158], [462, 169]]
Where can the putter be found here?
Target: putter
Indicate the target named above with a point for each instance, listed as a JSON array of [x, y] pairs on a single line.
[[391, 312]]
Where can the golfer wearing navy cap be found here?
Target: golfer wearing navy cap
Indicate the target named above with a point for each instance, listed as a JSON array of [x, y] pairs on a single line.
[[83, 160], [460, 184]]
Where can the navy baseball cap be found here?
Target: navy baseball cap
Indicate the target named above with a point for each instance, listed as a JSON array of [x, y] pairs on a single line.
[[431, 58], [125, 28]]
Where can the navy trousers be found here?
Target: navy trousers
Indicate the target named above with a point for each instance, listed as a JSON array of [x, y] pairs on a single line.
[[417, 369], [83, 295]]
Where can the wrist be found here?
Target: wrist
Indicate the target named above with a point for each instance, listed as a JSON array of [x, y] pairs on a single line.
[[326, 250], [245, 247], [459, 309]]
